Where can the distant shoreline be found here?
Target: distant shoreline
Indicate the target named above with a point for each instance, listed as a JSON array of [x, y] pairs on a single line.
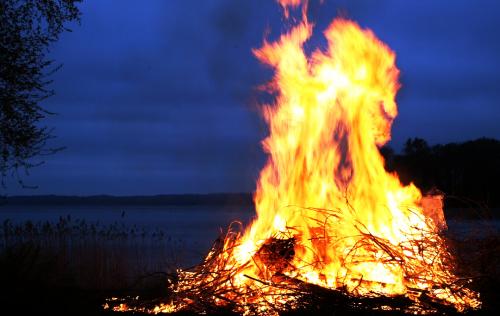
[[166, 199], [452, 210]]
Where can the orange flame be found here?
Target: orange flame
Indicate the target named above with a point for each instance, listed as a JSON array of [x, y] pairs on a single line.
[[332, 112], [286, 4]]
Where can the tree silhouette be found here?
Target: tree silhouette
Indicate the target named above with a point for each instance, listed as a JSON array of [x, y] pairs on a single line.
[[27, 28], [468, 171]]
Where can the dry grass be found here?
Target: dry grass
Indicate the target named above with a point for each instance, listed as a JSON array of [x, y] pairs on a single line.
[[88, 255]]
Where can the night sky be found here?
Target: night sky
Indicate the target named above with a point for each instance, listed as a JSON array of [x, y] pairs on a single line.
[[159, 97]]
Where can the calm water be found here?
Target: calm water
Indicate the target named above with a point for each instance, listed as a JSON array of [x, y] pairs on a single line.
[[196, 227]]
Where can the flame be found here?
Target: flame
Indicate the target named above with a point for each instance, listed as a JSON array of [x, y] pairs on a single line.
[[328, 213], [332, 112], [286, 4]]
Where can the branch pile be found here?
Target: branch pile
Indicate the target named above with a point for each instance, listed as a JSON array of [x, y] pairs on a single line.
[[210, 287]]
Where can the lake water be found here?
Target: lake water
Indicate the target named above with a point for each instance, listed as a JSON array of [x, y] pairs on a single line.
[[195, 228]]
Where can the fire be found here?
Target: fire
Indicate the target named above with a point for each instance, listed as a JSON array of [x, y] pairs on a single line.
[[328, 213], [332, 111]]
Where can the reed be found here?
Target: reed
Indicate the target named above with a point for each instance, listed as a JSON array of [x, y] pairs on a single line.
[[89, 255]]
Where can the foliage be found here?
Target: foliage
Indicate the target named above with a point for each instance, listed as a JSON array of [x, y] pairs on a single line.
[[27, 28]]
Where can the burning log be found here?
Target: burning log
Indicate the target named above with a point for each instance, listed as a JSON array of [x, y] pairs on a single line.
[[276, 255]]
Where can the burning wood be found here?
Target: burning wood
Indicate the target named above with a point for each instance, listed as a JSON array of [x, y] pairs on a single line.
[[332, 225], [276, 255], [209, 287]]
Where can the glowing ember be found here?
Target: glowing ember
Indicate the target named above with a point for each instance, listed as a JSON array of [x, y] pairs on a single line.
[[328, 213]]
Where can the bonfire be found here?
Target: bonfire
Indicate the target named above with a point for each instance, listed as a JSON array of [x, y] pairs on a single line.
[[332, 225]]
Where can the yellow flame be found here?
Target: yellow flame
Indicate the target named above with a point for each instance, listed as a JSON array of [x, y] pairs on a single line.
[[332, 111]]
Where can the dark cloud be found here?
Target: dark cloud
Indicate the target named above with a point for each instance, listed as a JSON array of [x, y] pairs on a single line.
[[159, 97]]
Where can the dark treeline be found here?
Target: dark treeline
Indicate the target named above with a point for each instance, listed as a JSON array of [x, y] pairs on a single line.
[[467, 172]]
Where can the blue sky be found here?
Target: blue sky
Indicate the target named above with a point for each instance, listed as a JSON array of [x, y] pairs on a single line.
[[159, 97]]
